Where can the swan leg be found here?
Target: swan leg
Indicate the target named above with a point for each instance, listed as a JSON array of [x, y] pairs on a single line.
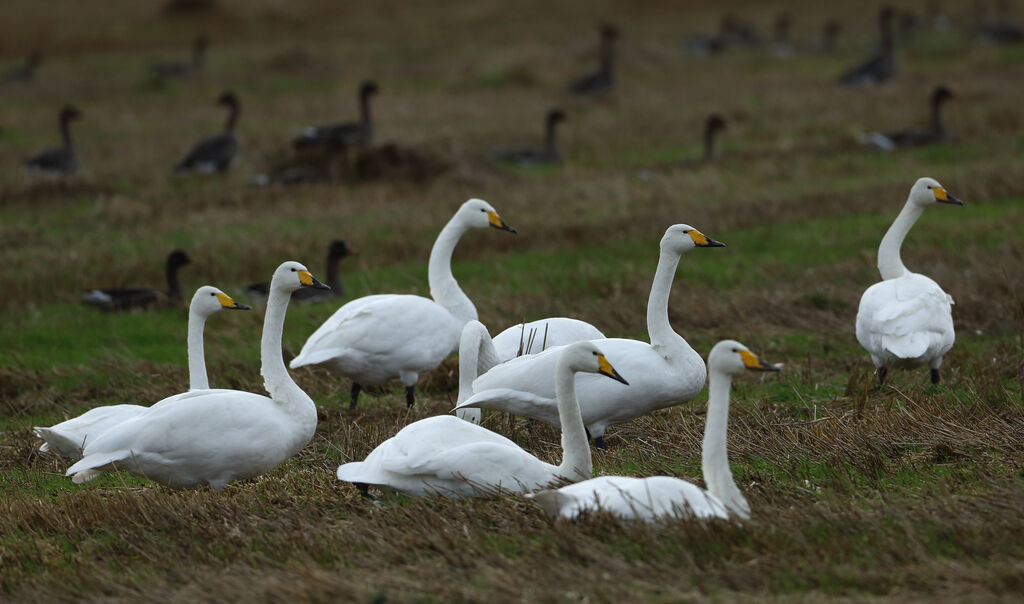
[[364, 490], [356, 389], [935, 375], [600, 444], [881, 375], [410, 396]]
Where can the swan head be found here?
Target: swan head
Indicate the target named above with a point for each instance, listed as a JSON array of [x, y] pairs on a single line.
[[927, 191], [209, 299], [587, 357], [681, 238], [291, 276], [731, 357], [478, 213]]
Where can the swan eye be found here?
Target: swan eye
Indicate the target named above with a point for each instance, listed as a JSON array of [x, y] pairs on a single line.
[[294, 270], [735, 349], [929, 187]]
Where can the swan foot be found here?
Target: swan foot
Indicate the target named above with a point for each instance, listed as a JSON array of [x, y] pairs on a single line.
[[881, 375], [600, 444], [410, 397], [935, 376], [354, 400], [364, 490]]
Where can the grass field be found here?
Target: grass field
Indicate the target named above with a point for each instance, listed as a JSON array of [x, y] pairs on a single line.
[[906, 492]]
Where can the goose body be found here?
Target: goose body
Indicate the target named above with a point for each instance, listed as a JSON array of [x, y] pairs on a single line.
[[906, 319], [659, 498], [216, 436], [342, 135], [663, 373], [448, 456], [58, 161], [713, 125], [600, 81], [178, 69], [69, 437], [548, 154], [135, 298], [26, 72], [215, 153], [376, 338], [879, 66], [936, 133]]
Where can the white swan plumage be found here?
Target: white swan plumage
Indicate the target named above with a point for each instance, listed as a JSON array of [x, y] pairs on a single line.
[[376, 338], [906, 319], [657, 498], [663, 373], [535, 336], [216, 436], [69, 437], [448, 456]]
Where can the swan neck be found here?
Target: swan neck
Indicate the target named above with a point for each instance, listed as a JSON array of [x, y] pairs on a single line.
[[577, 463], [276, 379], [444, 289], [890, 265], [715, 455], [197, 378], [658, 327]]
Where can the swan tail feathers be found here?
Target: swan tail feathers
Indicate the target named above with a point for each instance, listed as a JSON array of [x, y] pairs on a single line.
[[91, 466], [353, 472], [552, 501], [85, 476], [58, 443], [314, 357], [909, 346]]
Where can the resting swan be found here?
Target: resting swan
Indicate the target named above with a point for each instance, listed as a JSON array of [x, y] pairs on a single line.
[[69, 437], [216, 436], [448, 456], [535, 336], [663, 373], [661, 497], [376, 338], [906, 319]]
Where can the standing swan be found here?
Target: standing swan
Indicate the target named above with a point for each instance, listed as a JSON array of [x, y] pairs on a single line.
[[69, 437], [216, 436], [375, 338], [906, 319], [661, 497], [448, 456], [663, 373]]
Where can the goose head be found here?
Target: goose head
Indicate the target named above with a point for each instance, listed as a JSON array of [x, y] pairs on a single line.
[[941, 94], [200, 44], [586, 357], [228, 99], [681, 238], [477, 213], [555, 116], [714, 124], [732, 358], [177, 259], [291, 276], [69, 113], [927, 191], [368, 88], [209, 299], [609, 32], [339, 249]]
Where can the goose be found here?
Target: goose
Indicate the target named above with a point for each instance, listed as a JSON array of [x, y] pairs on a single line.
[[536, 336], [69, 437], [600, 81], [663, 373], [27, 72], [135, 298], [936, 133], [216, 436], [658, 498], [548, 154], [177, 69], [58, 161], [881, 65], [830, 36], [712, 127], [215, 153], [448, 456], [375, 338], [337, 250], [781, 45], [1003, 30], [340, 136], [906, 319]]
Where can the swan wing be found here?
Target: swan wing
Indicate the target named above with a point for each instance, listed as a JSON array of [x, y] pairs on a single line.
[[68, 438], [516, 402], [647, 499], [546, 333]]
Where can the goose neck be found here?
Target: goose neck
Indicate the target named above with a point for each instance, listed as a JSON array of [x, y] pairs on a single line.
[[890, 265], [444, 289], [549, 137], [658, 327], [173, 285], [197, 378], [233, 112], [364, 108], [714, 452], [334, 276], [65, 130], [709, 142], [937, 124], [577, 463]]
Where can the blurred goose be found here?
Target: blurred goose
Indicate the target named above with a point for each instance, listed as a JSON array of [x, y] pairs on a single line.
[[658, 498], [1003, 30], [936, 133], [216, 436], [456, 458], [177, 69], [712, 127], [830, 36], [600, 81], [58, 161], [69, 437], [27, 72], [881, 65], [134, 298], [548, 154], [781, 45], [663, 373], [215, 153], [375, 338], [906, 319], [337, 250], [340, 136]]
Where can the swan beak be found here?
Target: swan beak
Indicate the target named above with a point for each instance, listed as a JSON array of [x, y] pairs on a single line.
[[702, 240], [751, 361], [942, 196], [498, 223], [227, 302], [605, 368], [307, 279]]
